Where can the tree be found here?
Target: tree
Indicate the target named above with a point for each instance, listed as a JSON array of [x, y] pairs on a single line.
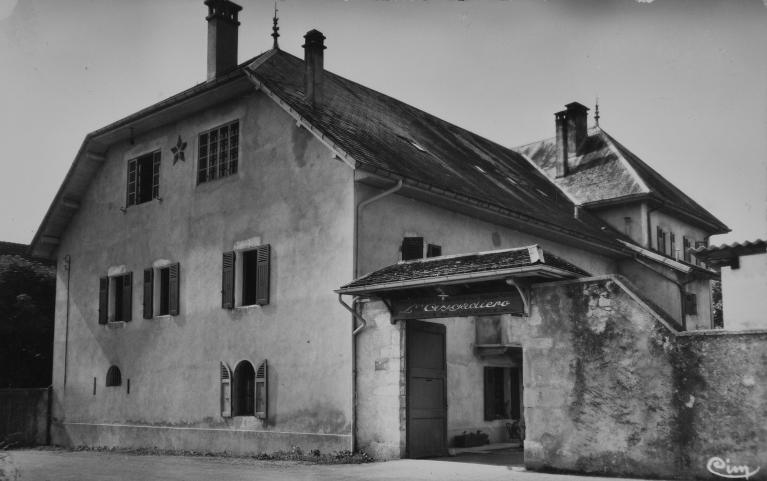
[[27, 303]]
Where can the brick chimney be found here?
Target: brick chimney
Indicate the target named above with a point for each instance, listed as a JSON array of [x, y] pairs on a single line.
[[314, 44], [222, 36]]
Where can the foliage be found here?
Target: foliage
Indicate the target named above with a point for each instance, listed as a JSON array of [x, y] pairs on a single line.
[[27, 300]]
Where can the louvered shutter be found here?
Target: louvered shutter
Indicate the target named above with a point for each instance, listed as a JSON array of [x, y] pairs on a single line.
[[263, 267], [148, 292], [132, 182], [103, 300], [173, 290], [156, 175], [262, 394], [127, 288], [227, 281], [412, 248], [489, 394], [226, 391]]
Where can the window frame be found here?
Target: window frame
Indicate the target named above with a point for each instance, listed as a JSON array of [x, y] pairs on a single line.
[[154, 290], [115, 298], [133, 187], [232, 166], [235, 279], [511, 395]]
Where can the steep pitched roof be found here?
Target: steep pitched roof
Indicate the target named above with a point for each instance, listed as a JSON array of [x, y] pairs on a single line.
[[386, 136], [604, 170]]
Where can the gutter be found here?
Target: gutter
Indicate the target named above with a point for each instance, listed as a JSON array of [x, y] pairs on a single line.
[[361, 206]]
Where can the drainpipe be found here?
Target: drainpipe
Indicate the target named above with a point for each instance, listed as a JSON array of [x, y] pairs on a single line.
[[67, 265], [362, 323], [361, 206]]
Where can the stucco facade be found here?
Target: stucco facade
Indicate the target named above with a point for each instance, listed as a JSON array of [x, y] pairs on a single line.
[[288, 193], [743, 293]]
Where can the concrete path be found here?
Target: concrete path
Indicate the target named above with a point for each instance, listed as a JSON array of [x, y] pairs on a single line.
[[50, 465]]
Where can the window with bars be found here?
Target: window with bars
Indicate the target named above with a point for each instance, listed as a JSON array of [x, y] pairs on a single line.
[[218, 152], [113, 376], [143, 179]]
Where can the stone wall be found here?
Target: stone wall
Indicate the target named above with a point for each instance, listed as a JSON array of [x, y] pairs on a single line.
[[24, 417]]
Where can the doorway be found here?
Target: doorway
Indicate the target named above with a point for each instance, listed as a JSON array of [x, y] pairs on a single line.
[[426, 367]]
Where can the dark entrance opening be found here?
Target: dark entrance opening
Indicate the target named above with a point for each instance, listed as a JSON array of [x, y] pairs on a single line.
[[426, 389]]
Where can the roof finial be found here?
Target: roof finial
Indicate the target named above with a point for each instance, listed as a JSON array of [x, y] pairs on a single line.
[[275, 28], [596, 112]]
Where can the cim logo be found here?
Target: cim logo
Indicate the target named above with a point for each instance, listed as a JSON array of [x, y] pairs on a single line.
[[722, 468]]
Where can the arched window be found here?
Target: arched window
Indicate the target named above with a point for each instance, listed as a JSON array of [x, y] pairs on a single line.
[[244, 389], [113, 376]]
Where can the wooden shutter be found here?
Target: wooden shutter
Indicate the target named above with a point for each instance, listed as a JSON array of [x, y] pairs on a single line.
[[148, 292], [686, 248], [263, 267], [103, 300], [262, 394], [412, 248], [672, 245], [127, 288], [156, 175], [227, 281], [489, 393], [226, 391], [433, 250], [132, 182], [173, 291]]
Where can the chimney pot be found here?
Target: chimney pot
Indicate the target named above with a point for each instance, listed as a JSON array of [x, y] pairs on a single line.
[[314, 45], [222, 36]]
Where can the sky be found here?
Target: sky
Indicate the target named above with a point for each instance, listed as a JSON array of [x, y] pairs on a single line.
[[681, 83]]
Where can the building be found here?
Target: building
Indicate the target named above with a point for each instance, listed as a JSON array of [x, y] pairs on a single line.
[[206, 235], [744, 282]]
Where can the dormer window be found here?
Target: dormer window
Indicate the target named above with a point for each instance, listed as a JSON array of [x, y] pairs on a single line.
[[143, 179]]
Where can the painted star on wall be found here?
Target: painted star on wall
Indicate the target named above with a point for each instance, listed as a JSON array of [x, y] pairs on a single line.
[[178, 151]]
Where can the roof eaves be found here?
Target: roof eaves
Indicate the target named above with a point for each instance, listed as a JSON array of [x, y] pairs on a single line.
[[661, 259], [456, 278]]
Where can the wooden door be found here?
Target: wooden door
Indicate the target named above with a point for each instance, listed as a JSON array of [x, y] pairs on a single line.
[[426, 390]]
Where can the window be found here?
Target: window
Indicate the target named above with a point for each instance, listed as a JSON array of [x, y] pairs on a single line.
[[244, 389], [113, 376], [433, 250], [115, 298], [143, 179], [690, 304], [161, 298], [412, 248], [251, 287], [218, 152], [686, 248], [503, 388]]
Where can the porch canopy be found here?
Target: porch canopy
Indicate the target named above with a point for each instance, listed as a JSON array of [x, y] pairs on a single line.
[[482, 283]]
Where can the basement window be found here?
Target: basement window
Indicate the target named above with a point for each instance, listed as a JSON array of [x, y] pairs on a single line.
[[143, 179], [218, 152]]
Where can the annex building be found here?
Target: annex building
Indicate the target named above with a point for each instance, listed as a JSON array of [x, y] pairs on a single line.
[[282, 257]]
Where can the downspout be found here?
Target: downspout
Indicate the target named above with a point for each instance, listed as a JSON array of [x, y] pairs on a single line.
[[361, 206], [355, 316], [362, 323], [67, 265]]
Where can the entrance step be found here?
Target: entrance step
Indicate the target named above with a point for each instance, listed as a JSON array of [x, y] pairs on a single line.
[[484, 448]]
